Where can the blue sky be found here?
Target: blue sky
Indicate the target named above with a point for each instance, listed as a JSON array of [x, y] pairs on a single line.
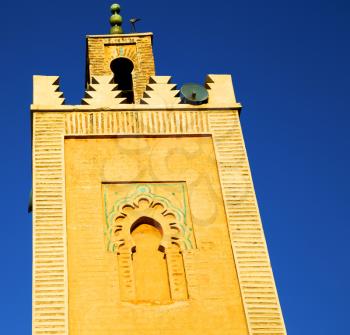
[[291, 70]]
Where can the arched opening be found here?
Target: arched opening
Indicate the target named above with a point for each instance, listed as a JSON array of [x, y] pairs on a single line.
[[122, 68], [149, 263]]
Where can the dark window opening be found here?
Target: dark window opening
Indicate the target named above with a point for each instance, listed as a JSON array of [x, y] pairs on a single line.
[[122, 69]]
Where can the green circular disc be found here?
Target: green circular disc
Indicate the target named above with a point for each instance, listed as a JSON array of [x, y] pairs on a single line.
[[194, 94]]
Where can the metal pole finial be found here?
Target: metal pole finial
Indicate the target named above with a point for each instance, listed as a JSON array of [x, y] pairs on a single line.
[[133, 21]]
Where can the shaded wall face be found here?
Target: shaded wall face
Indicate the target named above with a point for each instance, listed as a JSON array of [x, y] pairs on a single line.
[[183, 171]]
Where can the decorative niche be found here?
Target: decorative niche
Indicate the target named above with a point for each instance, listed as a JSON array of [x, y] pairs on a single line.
[[149, 227]]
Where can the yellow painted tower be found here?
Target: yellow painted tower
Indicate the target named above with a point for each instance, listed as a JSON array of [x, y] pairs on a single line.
[[145, 219]]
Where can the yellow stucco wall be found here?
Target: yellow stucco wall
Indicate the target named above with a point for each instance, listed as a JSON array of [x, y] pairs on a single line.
[[212, 261], [94, 298], [53, 285]]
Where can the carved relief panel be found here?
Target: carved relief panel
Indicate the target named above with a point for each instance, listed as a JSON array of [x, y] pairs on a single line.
[[148, 225]]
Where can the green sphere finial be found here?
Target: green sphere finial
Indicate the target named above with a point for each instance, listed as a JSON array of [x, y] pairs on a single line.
[[116, 20]]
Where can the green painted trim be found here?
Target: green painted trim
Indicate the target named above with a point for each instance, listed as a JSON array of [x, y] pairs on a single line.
[[145, 189]]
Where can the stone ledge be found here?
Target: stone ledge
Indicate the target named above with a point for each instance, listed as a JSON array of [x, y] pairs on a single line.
[[120, 35], [136, 107]]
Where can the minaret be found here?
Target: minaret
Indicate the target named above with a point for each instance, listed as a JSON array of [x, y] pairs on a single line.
[[145, 218]]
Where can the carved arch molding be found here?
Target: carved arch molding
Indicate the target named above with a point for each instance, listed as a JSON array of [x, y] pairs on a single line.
[[125, 204]]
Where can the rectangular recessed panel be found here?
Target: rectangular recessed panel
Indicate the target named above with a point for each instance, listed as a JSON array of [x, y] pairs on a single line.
[[130, 181]]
